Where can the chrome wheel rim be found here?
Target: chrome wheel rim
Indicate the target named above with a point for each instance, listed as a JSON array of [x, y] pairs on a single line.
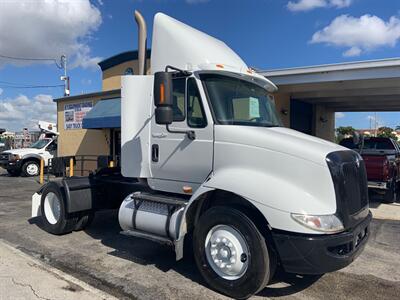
[[227, 252], [52, 208], [32, 169]]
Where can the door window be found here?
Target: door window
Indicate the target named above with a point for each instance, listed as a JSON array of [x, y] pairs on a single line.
[[178, 95], [195, 111]]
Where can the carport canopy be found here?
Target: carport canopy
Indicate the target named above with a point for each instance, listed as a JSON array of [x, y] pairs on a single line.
[[355, 86], [105, 114]]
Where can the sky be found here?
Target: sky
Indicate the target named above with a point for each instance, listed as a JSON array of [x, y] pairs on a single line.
[[267, 34]]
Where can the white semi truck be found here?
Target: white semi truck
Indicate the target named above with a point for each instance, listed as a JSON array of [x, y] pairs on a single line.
[[26, 161], [204, 156]]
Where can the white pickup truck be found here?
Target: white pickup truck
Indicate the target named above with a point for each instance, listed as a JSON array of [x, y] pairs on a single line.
[[27, 160]]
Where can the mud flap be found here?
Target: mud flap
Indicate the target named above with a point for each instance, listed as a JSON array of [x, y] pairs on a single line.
[[36, 198]]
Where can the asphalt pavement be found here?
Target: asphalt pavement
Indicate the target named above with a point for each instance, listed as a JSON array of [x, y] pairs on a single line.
[[133, 268]]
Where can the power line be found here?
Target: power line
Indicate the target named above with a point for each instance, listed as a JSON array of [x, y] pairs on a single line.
[[32, 87], [7, 84], [32, 59]]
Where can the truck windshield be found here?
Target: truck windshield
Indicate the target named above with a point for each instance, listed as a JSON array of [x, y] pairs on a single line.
[[40, 144], [239, 102]]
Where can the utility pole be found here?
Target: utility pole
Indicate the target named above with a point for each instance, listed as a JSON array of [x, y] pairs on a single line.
[[376, 129], [65, 78]]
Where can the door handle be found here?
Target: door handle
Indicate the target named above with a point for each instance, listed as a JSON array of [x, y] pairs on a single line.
[[159, 135], [154, 152]]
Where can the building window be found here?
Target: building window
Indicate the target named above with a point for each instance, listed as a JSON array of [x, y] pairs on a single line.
[[128, 71]]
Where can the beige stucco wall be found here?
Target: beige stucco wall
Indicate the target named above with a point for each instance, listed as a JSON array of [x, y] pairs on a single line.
[[324, 123], [282, 103], [81, 141], [112, 76]]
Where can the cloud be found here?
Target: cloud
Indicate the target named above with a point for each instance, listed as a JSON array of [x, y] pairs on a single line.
[[339, 115], [21, 111], [48, 29], [307, 5], [359, 35], [353, 51]]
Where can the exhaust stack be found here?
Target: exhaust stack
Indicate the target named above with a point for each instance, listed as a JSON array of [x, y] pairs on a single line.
[[142, 47]]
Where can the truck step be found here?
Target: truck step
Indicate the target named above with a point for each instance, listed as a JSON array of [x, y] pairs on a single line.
[[148, 236], [161, 198]]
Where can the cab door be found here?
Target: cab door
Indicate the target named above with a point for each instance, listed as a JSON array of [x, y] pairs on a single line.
[[177, 160]]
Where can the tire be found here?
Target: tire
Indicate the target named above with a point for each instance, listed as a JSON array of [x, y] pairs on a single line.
[[243, 278], [14, 173], [391, 194], [55, 218], [84, 221], [30, 168]]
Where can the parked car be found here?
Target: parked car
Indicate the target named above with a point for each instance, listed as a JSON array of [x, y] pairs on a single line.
[[382, 160]]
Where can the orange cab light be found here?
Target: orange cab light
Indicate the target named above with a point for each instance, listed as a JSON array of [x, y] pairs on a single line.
[[220, 66], [162, 93]]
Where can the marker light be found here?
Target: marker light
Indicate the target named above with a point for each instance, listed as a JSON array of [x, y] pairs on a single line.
[[323, 223], [220, 66], [162, 93]]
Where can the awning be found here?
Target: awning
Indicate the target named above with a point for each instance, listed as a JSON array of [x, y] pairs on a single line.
[[105, 114]]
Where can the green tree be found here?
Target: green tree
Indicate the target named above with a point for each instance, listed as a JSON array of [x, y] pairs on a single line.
[[343, 132], [386, 132]]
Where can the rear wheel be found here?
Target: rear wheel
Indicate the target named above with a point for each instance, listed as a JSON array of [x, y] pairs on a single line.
[[391, 194], [30, 168], [55, 218], [84, 221], [230, 253]]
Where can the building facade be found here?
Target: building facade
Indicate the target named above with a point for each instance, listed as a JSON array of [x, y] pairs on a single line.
[[89, 124]]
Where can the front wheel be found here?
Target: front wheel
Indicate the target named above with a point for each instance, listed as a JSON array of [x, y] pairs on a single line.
[[230, 253], [30, 168]]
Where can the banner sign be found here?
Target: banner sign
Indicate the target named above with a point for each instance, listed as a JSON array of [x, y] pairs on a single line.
[[74, 114]]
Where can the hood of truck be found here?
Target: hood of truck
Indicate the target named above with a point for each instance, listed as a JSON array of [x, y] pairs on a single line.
[[278, 139], [24, 151]]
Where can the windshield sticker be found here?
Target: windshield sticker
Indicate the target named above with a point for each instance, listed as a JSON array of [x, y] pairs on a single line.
[[254, 108]]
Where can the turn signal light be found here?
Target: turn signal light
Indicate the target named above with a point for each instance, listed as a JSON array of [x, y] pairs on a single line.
[[187, 189]]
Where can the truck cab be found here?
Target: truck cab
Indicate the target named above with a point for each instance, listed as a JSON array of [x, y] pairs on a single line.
[[209, 161], [26, 161]]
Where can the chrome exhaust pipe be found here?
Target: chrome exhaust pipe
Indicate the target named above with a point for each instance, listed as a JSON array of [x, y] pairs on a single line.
[[141, 42]]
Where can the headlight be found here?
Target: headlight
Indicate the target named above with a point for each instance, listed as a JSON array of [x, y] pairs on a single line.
[[14, 157], [324, 223]]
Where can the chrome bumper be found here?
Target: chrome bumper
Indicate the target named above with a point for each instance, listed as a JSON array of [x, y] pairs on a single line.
[[377, 185]]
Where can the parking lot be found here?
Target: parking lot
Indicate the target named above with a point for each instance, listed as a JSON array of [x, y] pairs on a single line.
[[133, 268]]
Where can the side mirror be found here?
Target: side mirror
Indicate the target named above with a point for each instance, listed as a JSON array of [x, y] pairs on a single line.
[[163, 99]]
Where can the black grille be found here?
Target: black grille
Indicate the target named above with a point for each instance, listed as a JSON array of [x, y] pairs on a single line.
[[351, 187], [355, 186], [4, 156]]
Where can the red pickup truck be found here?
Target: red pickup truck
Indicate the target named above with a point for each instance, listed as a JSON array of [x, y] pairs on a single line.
[[382, 161]]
